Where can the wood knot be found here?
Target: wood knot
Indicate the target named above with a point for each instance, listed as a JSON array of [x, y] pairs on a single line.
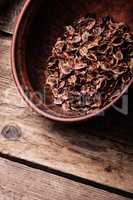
[[108, 168], [11, 132]]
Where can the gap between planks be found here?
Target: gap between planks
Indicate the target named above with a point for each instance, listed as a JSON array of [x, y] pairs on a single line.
[[67, 176], [18, 181]]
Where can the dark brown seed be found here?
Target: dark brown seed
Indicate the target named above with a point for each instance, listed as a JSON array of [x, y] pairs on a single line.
[[91, 24], [65, 67], [117, 41], [83, 51], [90, 65], [76, 39], [70, 30], [85, 36], [118, 55], [129, 37], [92, 56]]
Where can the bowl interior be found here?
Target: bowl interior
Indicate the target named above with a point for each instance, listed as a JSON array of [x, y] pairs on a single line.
[[42, 22]]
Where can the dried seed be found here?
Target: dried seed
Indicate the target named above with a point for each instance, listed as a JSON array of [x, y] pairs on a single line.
[[55, 92], [100, 83], [91, 24], [51, 81], [85, 36], [129, 37], [65, 67], [62, 84], [90, 65], [118, 71], [66, 106], [65, 95], [105, 67], [123, 28], [59, 45], [98, 30], [58, 101], [92, 57], [83, 51], [131, 64], [79, 66], [76, 39], [118, 55], [117, 41], [90, 45], [70, 30], [72, 80], [103, 48]]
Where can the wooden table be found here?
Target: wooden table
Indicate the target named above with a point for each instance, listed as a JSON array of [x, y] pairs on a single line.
[[43, 160]]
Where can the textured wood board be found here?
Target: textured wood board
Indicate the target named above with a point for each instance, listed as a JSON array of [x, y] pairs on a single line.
[[8, 18], [100, 149], [21, 182]]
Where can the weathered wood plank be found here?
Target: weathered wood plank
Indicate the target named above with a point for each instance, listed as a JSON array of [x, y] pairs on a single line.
[[21, 182], [8, 18], [99, 150]]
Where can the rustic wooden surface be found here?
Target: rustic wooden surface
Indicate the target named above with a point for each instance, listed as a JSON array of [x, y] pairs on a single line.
[[100, 150], [19, 182], [9, 17]]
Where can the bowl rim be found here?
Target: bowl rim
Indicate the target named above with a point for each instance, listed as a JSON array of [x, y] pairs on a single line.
[[29, 102]]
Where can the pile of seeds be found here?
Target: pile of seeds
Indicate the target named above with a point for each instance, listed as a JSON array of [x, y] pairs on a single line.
[[91, 64]]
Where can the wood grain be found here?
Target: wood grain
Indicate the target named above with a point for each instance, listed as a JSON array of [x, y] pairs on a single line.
[[8, 18], [21, 182], [100, 149]]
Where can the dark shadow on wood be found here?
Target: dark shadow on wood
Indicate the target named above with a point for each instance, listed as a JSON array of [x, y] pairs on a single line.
[[113, 126], [4, 34]]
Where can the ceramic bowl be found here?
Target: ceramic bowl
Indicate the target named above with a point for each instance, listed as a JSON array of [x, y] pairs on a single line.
[[38, 26]]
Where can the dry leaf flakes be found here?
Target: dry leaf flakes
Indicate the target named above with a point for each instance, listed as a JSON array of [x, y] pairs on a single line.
[[90, 64]]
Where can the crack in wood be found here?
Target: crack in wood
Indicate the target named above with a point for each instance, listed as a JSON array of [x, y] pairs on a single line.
[[67, 176]]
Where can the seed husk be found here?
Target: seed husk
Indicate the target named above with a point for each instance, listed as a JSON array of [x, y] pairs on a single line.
[[90, 64]]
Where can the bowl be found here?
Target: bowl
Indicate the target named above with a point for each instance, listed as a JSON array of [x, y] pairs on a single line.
[[38, 26]]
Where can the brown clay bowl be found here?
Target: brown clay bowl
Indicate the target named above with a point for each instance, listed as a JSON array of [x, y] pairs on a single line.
[[38, 26]]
